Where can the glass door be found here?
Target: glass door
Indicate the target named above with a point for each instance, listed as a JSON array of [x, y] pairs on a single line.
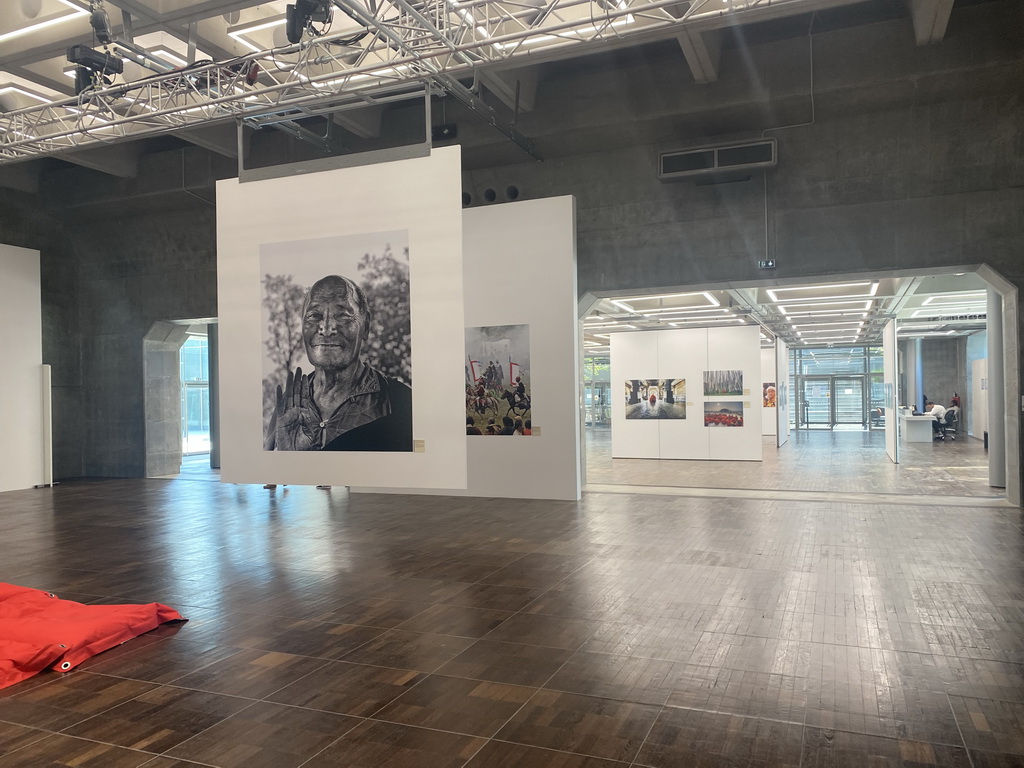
[[848, 400], [815, 402]]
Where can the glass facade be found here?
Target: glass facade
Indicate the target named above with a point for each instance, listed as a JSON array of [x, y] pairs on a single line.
[[195, 395], [597, 373], [836, 387]]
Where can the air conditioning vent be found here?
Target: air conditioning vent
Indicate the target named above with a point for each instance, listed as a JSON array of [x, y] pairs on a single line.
[[718, 159]]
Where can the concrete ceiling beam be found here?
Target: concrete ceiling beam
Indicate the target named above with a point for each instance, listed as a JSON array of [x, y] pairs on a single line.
[[930, 18], [22, 177], [363, 122], [121, 160], [503, 84], [703, 52], [221, 138]]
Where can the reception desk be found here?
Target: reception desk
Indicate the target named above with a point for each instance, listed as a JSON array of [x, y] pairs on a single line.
[[916, 429]]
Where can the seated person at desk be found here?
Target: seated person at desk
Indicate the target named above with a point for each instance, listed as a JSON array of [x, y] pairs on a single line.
[[938, 413]]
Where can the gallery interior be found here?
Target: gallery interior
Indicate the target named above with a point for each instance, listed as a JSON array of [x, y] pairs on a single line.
[[741, 243]]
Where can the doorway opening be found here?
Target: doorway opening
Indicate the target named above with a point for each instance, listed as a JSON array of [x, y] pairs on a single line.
[[840, 399], [194, 367]]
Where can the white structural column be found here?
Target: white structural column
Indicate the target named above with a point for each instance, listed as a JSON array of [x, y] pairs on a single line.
[[996, 393], [890, 378]]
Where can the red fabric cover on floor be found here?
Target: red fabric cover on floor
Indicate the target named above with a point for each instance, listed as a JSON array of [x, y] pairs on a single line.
[[39, 630]]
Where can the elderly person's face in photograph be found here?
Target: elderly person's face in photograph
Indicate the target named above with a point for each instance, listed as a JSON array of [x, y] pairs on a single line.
[[335, 324]]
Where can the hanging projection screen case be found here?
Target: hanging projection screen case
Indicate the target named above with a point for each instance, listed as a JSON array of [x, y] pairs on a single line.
[[371, 216]]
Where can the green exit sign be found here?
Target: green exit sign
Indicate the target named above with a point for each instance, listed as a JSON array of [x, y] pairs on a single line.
[[766, 263]]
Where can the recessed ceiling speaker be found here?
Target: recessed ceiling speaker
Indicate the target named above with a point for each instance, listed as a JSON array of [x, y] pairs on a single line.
[[31, 8], [490, 195], [512, 193], [467, 199], [232, 17]]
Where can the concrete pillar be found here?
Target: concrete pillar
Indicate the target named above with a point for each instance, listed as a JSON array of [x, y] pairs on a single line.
[[996, 393], [212, 345]]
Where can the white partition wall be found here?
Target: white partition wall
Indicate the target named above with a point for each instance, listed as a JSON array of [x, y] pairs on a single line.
[[353, 222], [738, 349], [783, 394], [687, 355], [769, 404], [519, 268], [889, 382], [21, 451]]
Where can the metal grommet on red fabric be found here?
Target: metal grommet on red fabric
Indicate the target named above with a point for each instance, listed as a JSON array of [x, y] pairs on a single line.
[[65, 665], [50, 594], [61, 645]]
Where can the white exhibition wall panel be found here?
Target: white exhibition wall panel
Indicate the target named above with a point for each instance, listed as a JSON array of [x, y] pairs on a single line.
[[725, 424], [519, 269], [782, 395], [633, 356], [395, 229], [683, 355], [769, 392], [737, 349], [21, 453], [890, 375]]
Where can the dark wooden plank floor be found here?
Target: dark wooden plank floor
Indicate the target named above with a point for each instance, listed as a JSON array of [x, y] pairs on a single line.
[[624, 630]]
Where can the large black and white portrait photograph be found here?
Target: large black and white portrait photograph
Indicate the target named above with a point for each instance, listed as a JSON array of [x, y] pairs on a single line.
[[337, 372], [498, 399]]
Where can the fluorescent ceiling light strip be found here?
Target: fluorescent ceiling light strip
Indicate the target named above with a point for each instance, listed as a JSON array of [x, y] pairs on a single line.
[[706, 320], [565, 33], [171, 56], [689, 318], [23, 92], [973, 297], [865, 304], [819, 325], [622, 303], [823, 313], [681, 311], [76, 12], [236, 33], [943, 310], [773, 292], [926, 333]]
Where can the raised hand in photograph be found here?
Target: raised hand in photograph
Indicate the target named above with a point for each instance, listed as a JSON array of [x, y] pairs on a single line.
[[296, 418]]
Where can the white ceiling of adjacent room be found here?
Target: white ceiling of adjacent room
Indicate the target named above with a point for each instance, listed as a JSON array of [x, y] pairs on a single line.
[[832, 314]]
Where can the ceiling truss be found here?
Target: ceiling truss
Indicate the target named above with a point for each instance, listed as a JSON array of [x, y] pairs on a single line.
[[399, 47]]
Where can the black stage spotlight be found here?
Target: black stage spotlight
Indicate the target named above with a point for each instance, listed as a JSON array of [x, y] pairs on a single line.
[[301, 13], [101, 25], [90, 64]]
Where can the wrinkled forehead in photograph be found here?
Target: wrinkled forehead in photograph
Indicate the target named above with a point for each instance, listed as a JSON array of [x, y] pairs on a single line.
[[338, 294]]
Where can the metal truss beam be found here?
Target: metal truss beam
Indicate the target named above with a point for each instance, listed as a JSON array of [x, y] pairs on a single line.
[[407, 45]]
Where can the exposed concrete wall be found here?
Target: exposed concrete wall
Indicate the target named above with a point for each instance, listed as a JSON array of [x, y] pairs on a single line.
[[940, 363], [139, 271]]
